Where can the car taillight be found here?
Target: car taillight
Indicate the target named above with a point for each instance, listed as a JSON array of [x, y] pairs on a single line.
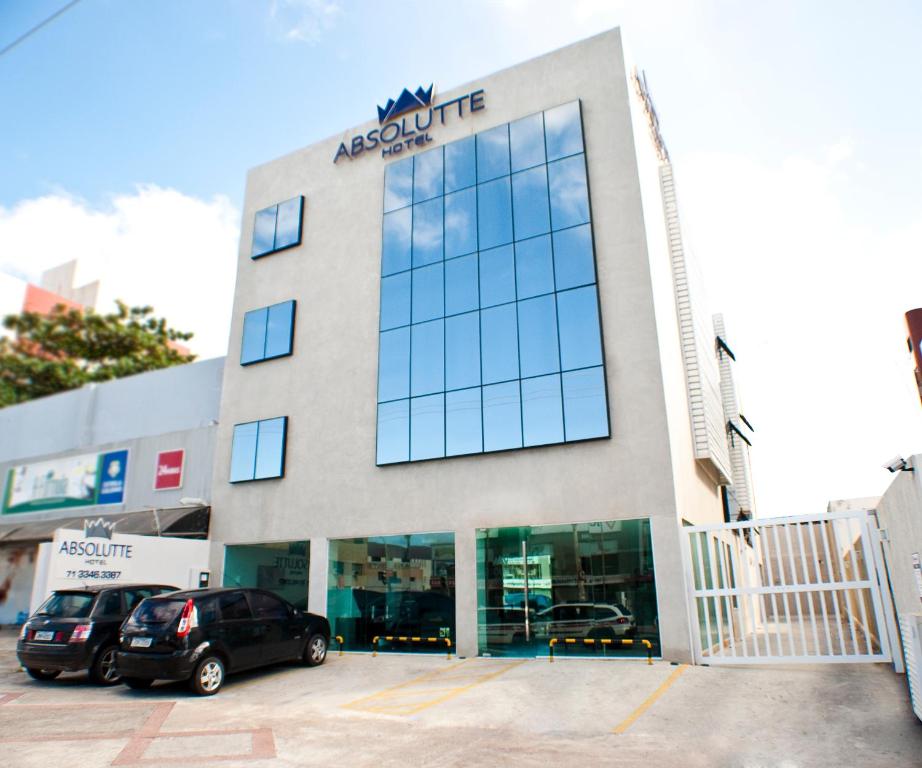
[[188, 620], [621, 620], [81, 633]]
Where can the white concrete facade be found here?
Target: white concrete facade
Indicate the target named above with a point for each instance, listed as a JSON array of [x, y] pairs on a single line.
[[332, 487]]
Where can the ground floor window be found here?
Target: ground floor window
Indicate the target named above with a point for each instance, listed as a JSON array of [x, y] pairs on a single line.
[[281, 567], [585, 581], [399, 586]]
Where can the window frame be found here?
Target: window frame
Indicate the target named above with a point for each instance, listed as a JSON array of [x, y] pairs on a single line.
[[282, 458], [275, 232], [291, 333]]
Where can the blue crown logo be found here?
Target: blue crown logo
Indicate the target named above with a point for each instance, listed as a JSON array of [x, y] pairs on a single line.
[[406, 102], [98, 529]]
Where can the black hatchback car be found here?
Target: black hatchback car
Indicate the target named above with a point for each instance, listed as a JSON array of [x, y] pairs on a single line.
[[201, 635], [77, 629]]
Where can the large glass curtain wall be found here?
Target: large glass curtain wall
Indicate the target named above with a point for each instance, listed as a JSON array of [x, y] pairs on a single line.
[[393, 585], [582, 581], [489, 331], [280, 567]]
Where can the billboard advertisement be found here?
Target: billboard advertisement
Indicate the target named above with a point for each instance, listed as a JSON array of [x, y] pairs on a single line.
[[86, 480], [168, 472]]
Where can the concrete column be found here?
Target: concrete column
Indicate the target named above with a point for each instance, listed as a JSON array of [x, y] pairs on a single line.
[[671, 589], [318, 573], [466, 592]]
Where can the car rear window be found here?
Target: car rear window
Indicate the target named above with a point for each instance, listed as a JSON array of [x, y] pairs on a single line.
[[157, 611], [68, 605]]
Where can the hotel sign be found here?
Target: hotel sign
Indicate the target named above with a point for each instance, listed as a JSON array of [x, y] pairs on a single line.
[[401, 132]]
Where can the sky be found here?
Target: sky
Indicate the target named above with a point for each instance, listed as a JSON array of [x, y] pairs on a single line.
[[794, 128]]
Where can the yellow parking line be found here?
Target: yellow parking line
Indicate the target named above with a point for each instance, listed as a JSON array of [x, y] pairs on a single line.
[[420, 679], [625, 724], [461, 689]]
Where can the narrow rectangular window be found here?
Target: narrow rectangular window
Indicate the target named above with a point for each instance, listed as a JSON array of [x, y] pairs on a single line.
[[277, 227], [258, 450], [268, 333]]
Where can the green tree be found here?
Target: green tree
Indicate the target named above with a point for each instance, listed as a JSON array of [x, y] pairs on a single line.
[[73, 347]]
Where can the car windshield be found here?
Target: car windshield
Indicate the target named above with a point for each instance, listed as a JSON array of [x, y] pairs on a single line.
[[623, 610], [157, 611], [68, 605]]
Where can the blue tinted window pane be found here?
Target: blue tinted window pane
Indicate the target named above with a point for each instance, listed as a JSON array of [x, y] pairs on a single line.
[[463, 422], [497, 276], [569, 197], [428, 293], [538, 336], [398, 184], [542, 417], [494, 213], [502, 417], [428, 358], [461, 292], [278, 329], [427, 232], [394, 432], [288, 223], [264, 231], [395, 255], [462, 351], [270, 449], [254, 336], [427, 175], [526, 140], [395, 301], [534, 271], [584, 404], [493, 153], [460, 167], [573, 263], [578, 315], [394, 365], [499, 344], [461, 222], [427, 427], [243, 452], [563, 130], [529, 203]]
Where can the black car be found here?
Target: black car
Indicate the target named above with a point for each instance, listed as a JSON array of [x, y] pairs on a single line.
[[77, 629], [200, 635]]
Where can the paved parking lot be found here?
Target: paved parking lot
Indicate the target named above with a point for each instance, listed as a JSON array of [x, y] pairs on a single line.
[[357, 710]]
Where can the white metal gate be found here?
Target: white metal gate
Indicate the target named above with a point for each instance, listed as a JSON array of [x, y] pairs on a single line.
[[788, 590]]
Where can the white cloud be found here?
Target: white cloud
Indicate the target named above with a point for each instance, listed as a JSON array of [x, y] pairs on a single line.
[[304, 21], [156, 246]]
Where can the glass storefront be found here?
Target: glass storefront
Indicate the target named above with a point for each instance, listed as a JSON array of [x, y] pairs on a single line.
[[393, 585], [585, 581], [281, 567]]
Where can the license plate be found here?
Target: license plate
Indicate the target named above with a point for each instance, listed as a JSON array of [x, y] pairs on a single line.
[[141, 642], [43, 635]]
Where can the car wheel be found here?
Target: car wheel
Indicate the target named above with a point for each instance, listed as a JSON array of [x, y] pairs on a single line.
[[42, 674], [208, 676], [103, 670], [315, 652], [138, 683]]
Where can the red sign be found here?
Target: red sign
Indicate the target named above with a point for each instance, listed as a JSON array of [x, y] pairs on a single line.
[[168, 474]]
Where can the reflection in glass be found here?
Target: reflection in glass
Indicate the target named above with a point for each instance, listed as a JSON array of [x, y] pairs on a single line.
[[584, 404], [578, 316], [463, 427], [243, 452], [393, 432], [288, 223], [460, 166], [428, 293], [395, 301], [569, 195], [394, 364], [398, 184], [493, 153], [530, 203], [502, 418], [542, 415], [427, 427], [427, 175], [462, 351], [497, 276], [279, 329], [270, 448], [499, 351], [573, 263], [281, 567], [461, 289], [494, 213], [428, 358], [534, 269], [427, 232], [254, 336], [538, 336], [526, 139], [564, 131], [264, 231], [395, 256], [461, 223]]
